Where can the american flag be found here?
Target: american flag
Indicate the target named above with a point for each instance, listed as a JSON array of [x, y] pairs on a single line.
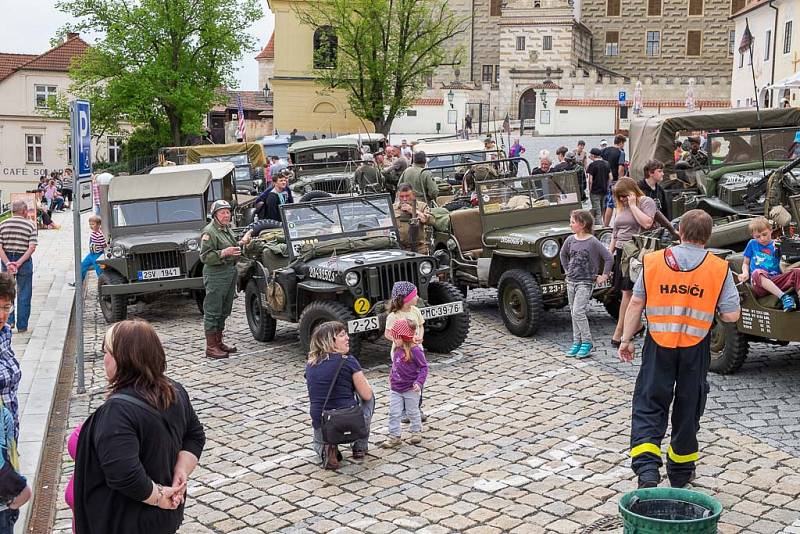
[[241, 129], [747, 39]]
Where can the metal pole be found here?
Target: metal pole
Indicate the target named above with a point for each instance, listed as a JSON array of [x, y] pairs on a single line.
[[76, 230]]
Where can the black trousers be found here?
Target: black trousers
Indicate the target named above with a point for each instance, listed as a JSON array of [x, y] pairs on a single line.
[[669, 376]]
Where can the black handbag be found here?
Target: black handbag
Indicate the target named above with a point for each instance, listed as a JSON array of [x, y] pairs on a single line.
[[342, 425]]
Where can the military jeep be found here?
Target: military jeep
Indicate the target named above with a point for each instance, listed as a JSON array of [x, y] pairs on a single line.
[[153, 227], [337, 259], [511, 242], [324, 165]]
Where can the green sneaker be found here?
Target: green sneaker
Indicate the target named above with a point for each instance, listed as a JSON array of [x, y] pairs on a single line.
[[584, 350], [574, 349]]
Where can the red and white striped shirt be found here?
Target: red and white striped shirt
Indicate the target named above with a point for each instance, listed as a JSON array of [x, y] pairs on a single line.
[[97, 241]]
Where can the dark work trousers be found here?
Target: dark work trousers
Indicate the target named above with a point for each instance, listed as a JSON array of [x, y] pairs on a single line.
[[669, 376]]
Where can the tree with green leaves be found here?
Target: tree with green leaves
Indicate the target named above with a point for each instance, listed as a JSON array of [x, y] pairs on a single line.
[[380, 51], [160, 59]]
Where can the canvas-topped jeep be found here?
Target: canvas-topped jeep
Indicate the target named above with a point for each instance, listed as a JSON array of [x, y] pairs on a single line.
[[153, 224], [324, 165], [511, 242], [337, 259]]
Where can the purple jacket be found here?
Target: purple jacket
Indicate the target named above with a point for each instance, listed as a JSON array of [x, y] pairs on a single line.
[[405, 374]]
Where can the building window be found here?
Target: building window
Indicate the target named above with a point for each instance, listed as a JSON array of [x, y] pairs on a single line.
[[694, 43], [612, 43], [767, 44], [325, 44], [69, 150], [787, 37], [45, 95], [429, 81], [114, 149], [411, 113], [486, 74], [521, 42], [495, 8], [33, 146], [741, 60], [496, 74], [731, 42], [695, 8], [654, 8], [613, 8], [547, 42], [737, 5], [653, 44]]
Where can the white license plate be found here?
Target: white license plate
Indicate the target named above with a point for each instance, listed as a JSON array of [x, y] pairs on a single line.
[[554, 289], [365, 324], [153, 274], [604, 285], [443, 310]]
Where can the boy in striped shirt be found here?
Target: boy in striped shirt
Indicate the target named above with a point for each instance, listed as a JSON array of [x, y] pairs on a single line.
[[97, 245]]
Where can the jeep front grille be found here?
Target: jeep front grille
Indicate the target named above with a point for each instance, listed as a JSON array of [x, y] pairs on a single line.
[[157, 260], [335, 187], [390, 273]]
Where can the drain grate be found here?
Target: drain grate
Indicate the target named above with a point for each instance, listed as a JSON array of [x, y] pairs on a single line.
[[609, 523]]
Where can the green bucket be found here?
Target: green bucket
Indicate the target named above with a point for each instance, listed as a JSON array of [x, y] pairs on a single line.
[[669, 510]]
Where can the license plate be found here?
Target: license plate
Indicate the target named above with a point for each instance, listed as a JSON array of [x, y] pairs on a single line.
[[604, 285], [554, 289], [365, 324], [443, 310], [152, 274]]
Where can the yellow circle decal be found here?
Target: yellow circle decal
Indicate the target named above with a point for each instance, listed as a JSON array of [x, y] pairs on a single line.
[[362, 306]]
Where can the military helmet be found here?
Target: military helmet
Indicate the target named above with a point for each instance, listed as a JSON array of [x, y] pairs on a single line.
[[219, 205]]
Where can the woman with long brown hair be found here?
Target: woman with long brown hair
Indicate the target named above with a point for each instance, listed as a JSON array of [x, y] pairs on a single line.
[[634, 214], [136, 451]]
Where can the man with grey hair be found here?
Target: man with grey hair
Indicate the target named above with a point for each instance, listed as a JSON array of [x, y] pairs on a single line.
[[18, 241], [545, 164]]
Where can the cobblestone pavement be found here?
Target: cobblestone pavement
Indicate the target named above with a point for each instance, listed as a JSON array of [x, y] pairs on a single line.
[[520, 438]]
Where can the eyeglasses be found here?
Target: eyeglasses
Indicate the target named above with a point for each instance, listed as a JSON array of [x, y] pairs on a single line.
[[7, 309]]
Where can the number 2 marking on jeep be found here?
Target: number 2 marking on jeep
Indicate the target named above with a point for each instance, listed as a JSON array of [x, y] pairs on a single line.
[[553, 289], [362, 306]]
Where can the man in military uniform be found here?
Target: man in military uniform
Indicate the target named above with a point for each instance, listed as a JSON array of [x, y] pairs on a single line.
[[420, 179], [697, 158], [412, 216], [478, 173], [368, 178], [219, 252]]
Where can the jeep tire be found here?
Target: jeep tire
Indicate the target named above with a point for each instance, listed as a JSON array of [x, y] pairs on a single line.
[[199, 296], [729, 348], [520, 301], [265, 224], [114, 307], [445, 334], [261, 323], [611, 302], [314, 195], [321, 311]]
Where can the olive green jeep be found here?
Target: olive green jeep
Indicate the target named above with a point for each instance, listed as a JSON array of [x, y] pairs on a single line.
[[511, 242], [336, 259]]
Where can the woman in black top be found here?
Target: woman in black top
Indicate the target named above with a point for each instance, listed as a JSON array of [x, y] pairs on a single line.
[[137, 451]]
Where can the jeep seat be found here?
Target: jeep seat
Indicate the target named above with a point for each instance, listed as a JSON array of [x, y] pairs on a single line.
[[468, 232]]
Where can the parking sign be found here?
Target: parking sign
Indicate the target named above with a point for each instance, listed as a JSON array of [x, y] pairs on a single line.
[[82, 134], [623, 96]]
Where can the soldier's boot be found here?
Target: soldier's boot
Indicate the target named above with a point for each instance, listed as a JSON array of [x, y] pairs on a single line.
[[230, 349], [213, 350]]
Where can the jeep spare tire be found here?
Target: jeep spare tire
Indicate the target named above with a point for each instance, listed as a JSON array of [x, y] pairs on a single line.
[[113, 307], [445, 334], [262, 324], [520, 301], [314, 195], [265, 224], [322, 311]]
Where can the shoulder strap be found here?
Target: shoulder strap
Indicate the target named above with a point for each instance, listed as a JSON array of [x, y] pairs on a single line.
[[333, 381], [141, 404]]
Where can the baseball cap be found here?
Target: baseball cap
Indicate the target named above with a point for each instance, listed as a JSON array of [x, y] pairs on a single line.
[[595, 151]]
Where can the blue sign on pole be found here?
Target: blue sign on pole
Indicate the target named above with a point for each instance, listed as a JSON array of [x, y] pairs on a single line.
[[82, 134], [623, 96]]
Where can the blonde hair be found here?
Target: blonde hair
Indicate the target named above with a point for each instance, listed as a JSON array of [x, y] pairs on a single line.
[[626, 186], [758, 224], [584, 218], [408, 345], [323, 341], [95, 218]]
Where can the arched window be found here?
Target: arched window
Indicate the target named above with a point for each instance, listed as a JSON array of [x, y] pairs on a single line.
[[325, 43]]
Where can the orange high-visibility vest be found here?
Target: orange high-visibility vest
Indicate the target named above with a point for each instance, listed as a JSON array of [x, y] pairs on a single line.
[[681, 304]]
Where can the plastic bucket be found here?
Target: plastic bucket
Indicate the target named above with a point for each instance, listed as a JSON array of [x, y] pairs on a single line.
[[669, 510]]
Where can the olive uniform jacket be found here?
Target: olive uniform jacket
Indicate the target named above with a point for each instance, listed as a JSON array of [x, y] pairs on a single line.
[[421, 181], [404, 227], [213, 240], [369, 179]]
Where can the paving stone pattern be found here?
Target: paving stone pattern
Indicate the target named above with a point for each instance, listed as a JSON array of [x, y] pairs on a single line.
[[520, 438]]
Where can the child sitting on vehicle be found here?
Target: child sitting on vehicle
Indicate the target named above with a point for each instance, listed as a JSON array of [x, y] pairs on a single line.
[[762, 266]]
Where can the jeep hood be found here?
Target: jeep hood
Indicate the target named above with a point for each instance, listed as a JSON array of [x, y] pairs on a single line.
[[329, 267], [524, 237], [157, 240], [309, 177]]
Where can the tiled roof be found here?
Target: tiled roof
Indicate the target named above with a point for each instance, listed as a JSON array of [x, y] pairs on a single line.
[[269, 51], [10, 62], [251, 100], [592, 103], [548, 84], [429, 102], [56, 59]]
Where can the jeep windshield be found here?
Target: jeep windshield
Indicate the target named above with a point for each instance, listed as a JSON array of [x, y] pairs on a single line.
[[320, 221], [151, 212], [735, 148], [530, 192], [236, 159], [325, 161]]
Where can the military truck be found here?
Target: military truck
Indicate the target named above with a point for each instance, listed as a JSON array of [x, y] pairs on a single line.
[[337, 259], [248, 158], [511, 242], [153, 227], [375, 141], [324, 165]]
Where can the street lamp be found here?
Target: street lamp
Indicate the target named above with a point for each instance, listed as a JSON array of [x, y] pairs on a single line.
[[450, 97], [543, 96], [452, 113]]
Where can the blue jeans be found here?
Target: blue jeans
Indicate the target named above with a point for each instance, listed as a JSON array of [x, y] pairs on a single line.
[[89, 261], [24, 291], [407, 402], [360, 445], [7, 519]]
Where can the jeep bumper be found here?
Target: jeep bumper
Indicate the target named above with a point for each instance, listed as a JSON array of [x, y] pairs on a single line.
[[151, 286]]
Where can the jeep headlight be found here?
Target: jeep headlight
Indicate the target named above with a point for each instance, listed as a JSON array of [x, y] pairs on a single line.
[[117, 251], [425, 268], [605, 239], [192, 244], [351, 279], [550, 248]]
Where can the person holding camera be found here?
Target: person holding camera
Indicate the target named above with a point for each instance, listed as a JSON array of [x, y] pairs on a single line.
[[219, 252], [412, 216]]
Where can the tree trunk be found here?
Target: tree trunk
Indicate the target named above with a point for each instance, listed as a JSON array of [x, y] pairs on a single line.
[[174, 128], [383, 125]]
